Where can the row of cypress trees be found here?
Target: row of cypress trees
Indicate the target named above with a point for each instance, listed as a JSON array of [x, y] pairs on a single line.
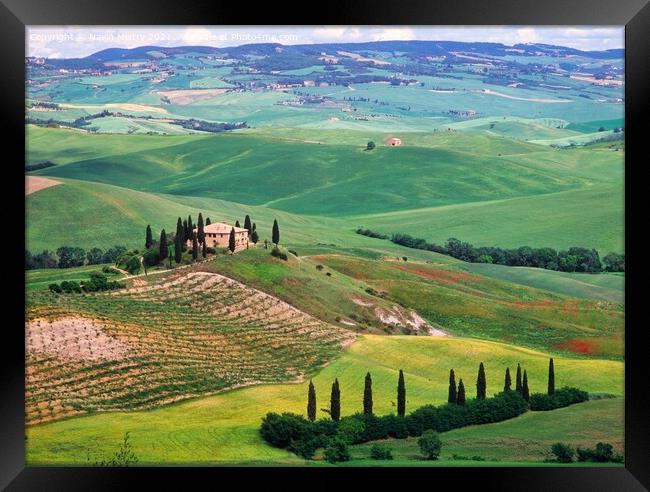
[[456, 392], [457, 395], [335, 398]]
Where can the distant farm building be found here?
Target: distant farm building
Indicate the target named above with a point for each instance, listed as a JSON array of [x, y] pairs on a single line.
[[464, 114], [218, 235], [393, 142]]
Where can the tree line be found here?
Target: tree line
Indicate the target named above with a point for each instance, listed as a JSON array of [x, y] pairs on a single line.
[[38, 165], [304, 435], [165, 248], [209, 126], [573, 259], [80, 122], [72, 256]]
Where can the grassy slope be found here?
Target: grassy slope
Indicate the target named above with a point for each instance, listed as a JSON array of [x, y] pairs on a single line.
[[114, 215], [496, 200], [119, 216], [441, 290], [523, 439], [471, 305], [591, 218], [338, 179], [63, 146], [606, 286], [41, 278], [223, 428]]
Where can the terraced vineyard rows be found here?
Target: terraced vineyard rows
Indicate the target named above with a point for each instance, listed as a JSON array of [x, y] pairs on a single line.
[[187, 334]]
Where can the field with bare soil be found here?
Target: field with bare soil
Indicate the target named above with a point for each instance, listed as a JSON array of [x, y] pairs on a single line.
[[186, 334], [37, 183]]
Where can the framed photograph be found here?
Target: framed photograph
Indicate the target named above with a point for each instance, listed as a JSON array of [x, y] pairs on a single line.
[[390, 240]]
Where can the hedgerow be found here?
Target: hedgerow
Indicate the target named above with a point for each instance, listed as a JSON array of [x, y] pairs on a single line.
[[297, 434]]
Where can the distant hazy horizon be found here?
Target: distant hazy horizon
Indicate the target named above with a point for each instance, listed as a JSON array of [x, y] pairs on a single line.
[[81, 41]]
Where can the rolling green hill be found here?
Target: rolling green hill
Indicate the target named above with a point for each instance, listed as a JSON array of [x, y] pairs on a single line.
[[591, 217], [527, 438], [355, 289], [467, 304], [336, 179], [224, 428], [606, 286], [114, 215]]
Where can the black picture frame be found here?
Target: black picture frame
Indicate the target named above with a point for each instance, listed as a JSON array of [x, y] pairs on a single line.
[[633, 14]]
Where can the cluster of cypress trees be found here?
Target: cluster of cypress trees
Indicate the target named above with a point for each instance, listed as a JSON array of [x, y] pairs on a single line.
[[185, 232], [521, 384], [335, 398], [456, 393]]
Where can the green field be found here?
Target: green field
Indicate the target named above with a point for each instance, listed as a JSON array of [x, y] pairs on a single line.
[[606, 287], [41, 278], [527, 438], [224, 428], [588, 218], [471, 305], [120, 216], [337, 180], [536, 197]]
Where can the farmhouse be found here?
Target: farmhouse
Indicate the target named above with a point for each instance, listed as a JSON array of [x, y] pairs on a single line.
[[393, 142], [218, 235]]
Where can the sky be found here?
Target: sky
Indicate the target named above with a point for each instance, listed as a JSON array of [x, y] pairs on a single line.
[[80, 41]]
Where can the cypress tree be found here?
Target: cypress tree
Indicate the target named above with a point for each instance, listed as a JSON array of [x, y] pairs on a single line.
[[311, 402], [335, 401], [148, 240], [231, 241], [367, 396], [508, 382], [163, 250], [481, 384], [190, 227], [186, 235], [207, 221], [178, 248], [254, 236], [460, 399], [247, 224], [275, 237], [179, 228], [180, 232], [200, 232], [551, 377], [524, 387], [204, 251], [237, 224], [452, 387], [401, 395], [518, 380], [195, 247]]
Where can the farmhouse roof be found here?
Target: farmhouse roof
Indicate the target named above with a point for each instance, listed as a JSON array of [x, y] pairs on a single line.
[[222, 228]]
